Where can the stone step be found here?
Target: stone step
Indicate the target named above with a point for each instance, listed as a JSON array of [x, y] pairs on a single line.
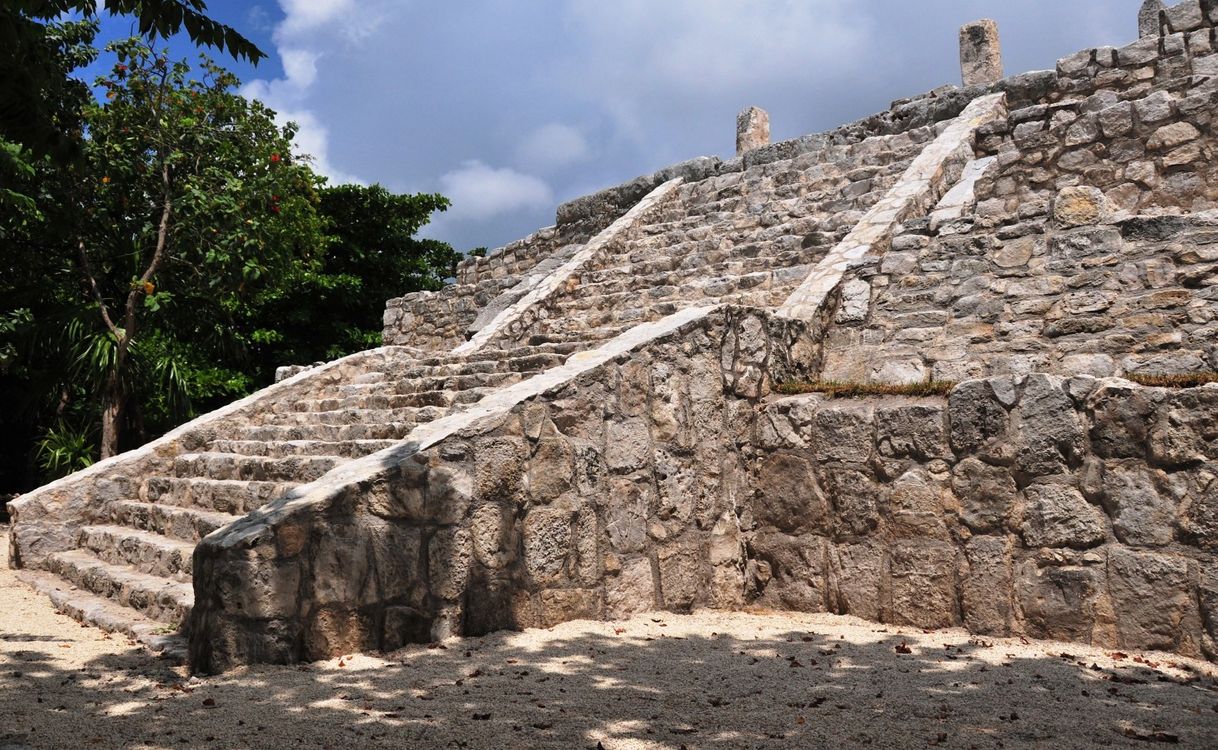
[[327, 432], [391, 400], [145, 551], [154, 597], [186, 524], [235, 496], [462, 382], [345, 417], [112, 617], [216, 465], [288, 448], [622, 278]]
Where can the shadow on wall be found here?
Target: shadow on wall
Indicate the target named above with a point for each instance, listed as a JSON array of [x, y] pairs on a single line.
[[659, 682]]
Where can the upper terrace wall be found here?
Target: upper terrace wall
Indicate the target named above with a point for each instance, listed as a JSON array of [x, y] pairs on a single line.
[[1069, 262]]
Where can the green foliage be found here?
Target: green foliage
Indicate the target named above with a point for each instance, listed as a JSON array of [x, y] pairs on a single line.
[[259, 264], [334, 307], [63, 450], [36, 59]]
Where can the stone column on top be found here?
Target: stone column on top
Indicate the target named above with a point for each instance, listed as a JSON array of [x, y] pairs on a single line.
[[752, 129], [980, 53]]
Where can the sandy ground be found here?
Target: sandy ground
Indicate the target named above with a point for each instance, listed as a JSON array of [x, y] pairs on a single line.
[[709, 680]]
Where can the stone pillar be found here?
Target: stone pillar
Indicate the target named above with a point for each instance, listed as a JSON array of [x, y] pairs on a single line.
[[980, 52], [1148, 18], [752, 129]]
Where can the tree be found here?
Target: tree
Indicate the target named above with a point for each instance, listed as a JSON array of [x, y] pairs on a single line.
[[33, 71], [190, 198], [336, 308]]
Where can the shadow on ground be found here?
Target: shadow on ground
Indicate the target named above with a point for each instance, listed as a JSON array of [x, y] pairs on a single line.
[[657, 681]]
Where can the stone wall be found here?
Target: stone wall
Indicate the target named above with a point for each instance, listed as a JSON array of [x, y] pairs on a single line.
[[1069, 509], [610, 493], [1136, 296], [1146, 146]]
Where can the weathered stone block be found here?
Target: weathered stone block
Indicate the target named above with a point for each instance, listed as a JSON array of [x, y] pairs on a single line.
[[987, 586], [1064, 602], [843, 432], [859, 580], [631, 590], [1081, 206], [980, 53], [986, 494], [854, 496], [796, 567], [1155, 604], [923, 580], [564, 605], [1119, 420], [547, 543], [1141, 515], [914, 430], [499, 463], [787, 496], [1057, 515], [683, 576], [752, 130], [1199, 515], [1049, 437], [977, 420], [914, 506], [627, 445]]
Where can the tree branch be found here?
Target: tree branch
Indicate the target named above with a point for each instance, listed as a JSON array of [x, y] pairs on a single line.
[[97, 295], [158, 255]]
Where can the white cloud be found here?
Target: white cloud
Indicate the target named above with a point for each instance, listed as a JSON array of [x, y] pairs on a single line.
[[481, 192], [305, 15], [300, 66], [553, 145]]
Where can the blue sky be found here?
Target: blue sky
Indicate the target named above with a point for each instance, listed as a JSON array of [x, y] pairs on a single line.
[[509, 108]]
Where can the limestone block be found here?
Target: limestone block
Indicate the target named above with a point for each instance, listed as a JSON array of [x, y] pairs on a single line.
[[1116, 120], [1079, 206], [987, 586], [1148, 18], [986, 494], [564, 605], [977, 419], [1208, 596], [499, 464], [449, 554], [627, 445], [683, 576], [1049, 436], [923, 580], [1154, 601], [855, 499], [1063, 601], [796, 568], [855, 302], [917, 431], [1184, 16], [1199, 517], [1157, 107], [551, 469], [1120, 418], [914, 505], [752, 130], [1056, 515], [1173, 135], [1141, 515], [787, 496], [631, 590], [859, 581], [980, 53], [1184, 431], [843, 431]]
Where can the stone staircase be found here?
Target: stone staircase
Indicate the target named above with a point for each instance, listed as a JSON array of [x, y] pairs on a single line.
[[130, 568], [747, 236]]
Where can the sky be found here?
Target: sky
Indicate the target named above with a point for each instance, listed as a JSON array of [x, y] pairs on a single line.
[[509, 108]]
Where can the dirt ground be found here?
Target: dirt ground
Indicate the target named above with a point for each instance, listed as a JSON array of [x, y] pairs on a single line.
[[707, 680]]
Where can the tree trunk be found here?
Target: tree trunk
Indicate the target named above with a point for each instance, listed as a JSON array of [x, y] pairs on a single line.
[[114, 404]]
